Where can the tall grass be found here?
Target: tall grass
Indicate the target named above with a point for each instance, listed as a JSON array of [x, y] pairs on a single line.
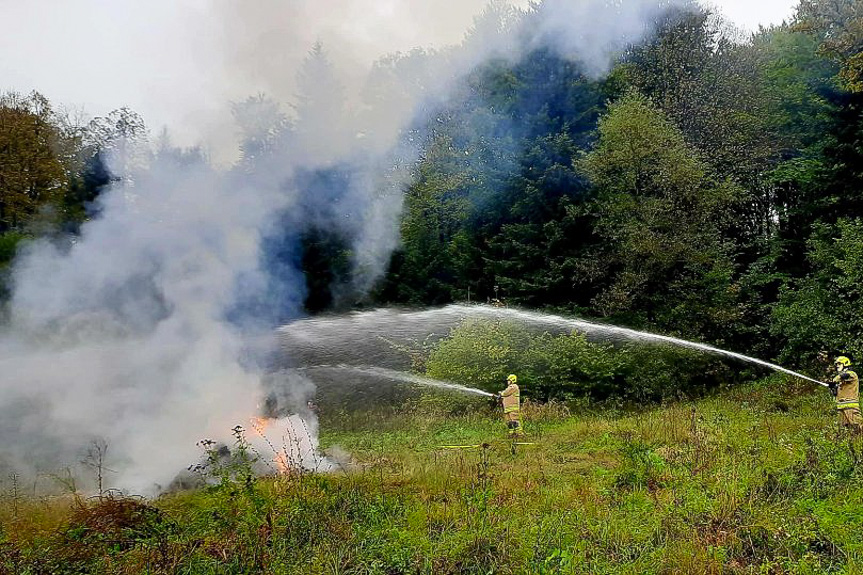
[[736, 483]]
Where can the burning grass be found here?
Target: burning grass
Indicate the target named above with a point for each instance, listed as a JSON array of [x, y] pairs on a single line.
[[723, 485]]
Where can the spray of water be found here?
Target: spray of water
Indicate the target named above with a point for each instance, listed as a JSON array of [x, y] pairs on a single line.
[[394, 375], [356, 338], [616, 332]]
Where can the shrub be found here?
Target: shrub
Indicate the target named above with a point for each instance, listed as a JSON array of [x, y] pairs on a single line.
[[641, 466], [479, 354], [656, 372], [569, 367]]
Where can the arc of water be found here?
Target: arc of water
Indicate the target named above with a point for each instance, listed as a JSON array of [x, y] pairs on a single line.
[[587, 326], [398, 376], [316, 332]]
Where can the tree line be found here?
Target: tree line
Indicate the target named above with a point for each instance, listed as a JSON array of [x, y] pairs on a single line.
[[710, 186]]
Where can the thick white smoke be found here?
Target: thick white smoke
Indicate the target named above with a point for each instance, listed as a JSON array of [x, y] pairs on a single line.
[[124, 337], [140, 333]]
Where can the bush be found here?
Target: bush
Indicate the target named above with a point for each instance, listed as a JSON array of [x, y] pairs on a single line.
[[642, 467], [480, 354], [656, 372], [568, 367], [434, 404]]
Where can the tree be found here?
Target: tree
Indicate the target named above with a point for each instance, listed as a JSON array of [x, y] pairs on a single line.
[[709, 84], [533, 253], [326, 265], [525, 123], [106, 150], [120, 140], [321, 124], [658, 215], [838, 24], [31, 173], [432, 230], [819, 177], [263, 128], [821, 311]]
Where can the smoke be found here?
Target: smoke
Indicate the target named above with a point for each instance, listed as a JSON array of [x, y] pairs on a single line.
[[123, 335], [154, 328], [594, 32]]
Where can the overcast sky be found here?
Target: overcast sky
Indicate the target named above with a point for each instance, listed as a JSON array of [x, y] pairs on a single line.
[[179, 62]]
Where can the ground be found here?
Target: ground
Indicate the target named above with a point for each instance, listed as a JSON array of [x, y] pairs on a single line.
[[751, 480]]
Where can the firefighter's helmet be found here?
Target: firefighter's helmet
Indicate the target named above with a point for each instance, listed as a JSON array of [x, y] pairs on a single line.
[[843, 361], [511, 378]]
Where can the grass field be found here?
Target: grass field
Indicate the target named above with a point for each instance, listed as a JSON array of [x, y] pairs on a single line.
[[752, 480]]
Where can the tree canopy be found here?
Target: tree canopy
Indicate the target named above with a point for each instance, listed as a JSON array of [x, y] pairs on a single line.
[[708, 185]]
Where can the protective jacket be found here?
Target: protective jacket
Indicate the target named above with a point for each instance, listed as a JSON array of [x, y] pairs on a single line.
[[510, 398], [847, 390]]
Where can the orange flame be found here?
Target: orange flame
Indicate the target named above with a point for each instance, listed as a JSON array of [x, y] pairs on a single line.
[[280, 459]]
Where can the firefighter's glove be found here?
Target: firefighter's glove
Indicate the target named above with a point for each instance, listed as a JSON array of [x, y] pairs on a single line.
[[834, 388]]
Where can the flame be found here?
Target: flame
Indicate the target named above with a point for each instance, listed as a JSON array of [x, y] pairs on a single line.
[[260, 424], [292, 441], [280, 458], [281, 461]]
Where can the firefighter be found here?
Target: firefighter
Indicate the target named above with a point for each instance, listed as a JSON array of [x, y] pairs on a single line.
[[845, 387], [511, 401]]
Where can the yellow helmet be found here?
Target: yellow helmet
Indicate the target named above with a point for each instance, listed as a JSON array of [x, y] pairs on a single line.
[[511, 378], [843, 360]]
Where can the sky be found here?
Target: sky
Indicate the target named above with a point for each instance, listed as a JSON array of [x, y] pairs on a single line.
[[180, 63], [750, 14]]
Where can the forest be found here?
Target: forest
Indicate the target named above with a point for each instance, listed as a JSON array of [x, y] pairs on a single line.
[[708, 186]]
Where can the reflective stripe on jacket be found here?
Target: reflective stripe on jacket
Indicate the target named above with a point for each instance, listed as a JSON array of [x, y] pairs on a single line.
[[848, 390], [511, 399]]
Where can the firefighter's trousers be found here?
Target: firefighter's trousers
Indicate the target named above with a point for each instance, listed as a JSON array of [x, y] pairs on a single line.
[[513, 423]]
